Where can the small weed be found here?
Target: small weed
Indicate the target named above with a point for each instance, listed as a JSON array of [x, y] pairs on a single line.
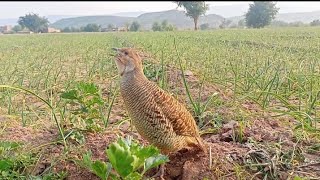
[[85, 102], [198, 107], [83, 109], [15, 164], [129, 159]]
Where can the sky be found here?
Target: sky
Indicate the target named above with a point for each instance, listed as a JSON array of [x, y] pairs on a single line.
[[14, 9]]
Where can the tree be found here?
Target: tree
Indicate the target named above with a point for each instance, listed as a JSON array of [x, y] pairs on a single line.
[[297, 24], [74, 29], [225, 23], [170, 27], [92, 28], [110, 27], [135, 26], [194, 9], [204, 26], [279, 24], [164, 25], [241, 23], [261, 13], [66, 29], [315, 23], [127, 25], [33, 22], [17, 28], [156, 27]]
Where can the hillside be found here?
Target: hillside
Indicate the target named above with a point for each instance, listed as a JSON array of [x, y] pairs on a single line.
[[84, 20], [305, 17], [174, 17], [177, 18], [129, 14]]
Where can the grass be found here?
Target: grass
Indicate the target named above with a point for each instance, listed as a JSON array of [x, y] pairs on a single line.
[[276, 69]]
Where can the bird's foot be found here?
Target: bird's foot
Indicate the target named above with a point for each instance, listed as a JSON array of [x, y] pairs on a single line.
[[160, 173]]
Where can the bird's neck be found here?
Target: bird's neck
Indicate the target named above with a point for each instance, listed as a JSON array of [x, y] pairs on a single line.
[[132, 76], [133, 79]]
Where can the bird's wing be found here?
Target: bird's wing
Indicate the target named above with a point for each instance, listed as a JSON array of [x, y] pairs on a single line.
[[178, 116]]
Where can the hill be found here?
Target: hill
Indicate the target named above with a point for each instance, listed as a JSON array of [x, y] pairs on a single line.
[[84, 20], [305, 17], [51, 18], [177, 18], [129, 14], [174, 17]]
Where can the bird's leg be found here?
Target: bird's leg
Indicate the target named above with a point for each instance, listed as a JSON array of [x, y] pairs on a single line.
[[160, 172]]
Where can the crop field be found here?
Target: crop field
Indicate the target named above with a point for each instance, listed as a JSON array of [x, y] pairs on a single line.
[[255, 94]]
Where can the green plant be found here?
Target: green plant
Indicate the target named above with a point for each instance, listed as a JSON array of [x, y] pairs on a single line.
[[47, 103], [99, 168], [198, 107], [15, 163], [127, 158], [84, 103]]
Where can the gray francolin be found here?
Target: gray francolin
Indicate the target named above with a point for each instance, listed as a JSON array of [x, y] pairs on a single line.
[[158, 117]]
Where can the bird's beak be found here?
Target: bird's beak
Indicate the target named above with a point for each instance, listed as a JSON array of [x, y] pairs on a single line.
[[115, 49]]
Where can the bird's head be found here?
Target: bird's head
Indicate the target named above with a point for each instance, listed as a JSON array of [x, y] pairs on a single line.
[[127, 60]]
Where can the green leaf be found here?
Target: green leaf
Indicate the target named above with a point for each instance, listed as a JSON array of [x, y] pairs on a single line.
[[154, 161], [101, 169], [142, 154], [9, 145], [114, 177], [5, 164], [72, 95], [120, 158], [134, 176], [86, 159], [298, 178], [87, 88]]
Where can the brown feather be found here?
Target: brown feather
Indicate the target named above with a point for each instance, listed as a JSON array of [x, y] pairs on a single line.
[[158, 116]]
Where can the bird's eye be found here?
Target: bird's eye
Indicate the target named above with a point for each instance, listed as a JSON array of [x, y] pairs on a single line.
[[126, 53]]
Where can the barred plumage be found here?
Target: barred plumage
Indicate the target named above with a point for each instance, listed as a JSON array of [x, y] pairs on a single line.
[[157, 116]]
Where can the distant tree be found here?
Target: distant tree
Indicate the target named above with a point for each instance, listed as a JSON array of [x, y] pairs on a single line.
[[110, 26], [66, 29], [233, 26], [241, 23], [127, 25], [92, 28], [170, 27], [315, 23], [33, 22], [135, 26], [17, 28], [261, 13], [204, 26], [225, 23], [297, 24], [194, 9], [156, 27], [164, 24], [279, 24], [74, 29]]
